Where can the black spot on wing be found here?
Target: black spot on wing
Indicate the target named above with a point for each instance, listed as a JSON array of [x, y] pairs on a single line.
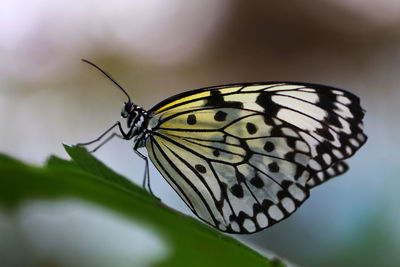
[[217, 100], [220, 116], [325, 133], [237, 191], [191, 119], [257, 182], [251, 128], [269, 106], [323, 147], [333, 119], [327, 100], [273, 167], [282, 194], [269, 146], [291, 142], [200, 168]]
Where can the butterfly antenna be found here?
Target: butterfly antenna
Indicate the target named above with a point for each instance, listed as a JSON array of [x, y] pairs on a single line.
[[108, 76]]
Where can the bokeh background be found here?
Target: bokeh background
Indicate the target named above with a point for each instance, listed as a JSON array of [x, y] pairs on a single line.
[[159, 48]]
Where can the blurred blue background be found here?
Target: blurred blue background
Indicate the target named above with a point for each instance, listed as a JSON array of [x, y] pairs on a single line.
[[159, 48]]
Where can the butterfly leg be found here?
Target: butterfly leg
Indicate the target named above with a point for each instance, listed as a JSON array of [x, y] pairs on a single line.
[[105, 141], [122, 135], [146, 171]]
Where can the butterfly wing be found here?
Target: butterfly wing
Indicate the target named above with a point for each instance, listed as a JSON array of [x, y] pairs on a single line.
[[244, 156]]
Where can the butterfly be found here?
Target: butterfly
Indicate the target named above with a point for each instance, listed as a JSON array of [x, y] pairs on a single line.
[[245, 156]]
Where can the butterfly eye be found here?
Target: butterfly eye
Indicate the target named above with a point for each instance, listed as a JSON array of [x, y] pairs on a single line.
[[126, 109]]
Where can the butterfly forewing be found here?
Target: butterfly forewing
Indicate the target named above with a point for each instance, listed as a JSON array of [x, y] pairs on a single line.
[[243, 157]]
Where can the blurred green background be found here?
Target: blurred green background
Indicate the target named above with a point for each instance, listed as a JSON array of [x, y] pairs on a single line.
[[159, 48]]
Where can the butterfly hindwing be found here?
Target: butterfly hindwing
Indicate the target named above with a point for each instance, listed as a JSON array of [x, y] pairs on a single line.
[[324, 175], [232, 191], [243, 157]]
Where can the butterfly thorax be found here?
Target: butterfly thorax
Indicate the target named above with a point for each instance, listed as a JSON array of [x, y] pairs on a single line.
[[136, 120]]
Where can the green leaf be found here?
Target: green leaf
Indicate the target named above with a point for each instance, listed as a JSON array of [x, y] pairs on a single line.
[[193, 243]]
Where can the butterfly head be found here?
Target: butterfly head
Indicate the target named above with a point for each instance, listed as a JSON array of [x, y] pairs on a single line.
[[133, 114], [127, 109]]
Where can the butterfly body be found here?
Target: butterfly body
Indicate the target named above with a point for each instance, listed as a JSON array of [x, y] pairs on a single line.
[[245, 156], [136, 121]]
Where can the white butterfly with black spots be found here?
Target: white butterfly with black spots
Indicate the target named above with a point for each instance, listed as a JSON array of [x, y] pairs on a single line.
[[245, 156]]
